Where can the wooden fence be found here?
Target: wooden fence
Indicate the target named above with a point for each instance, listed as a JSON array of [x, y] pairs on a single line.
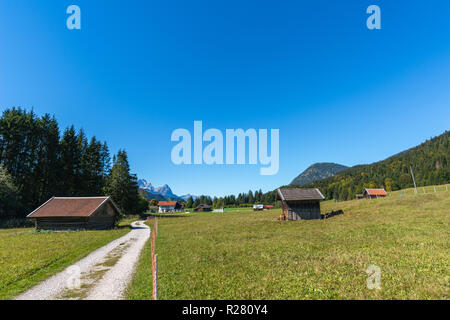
[[154, 256]]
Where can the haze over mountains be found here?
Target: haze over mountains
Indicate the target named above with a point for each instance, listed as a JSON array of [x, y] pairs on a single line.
[[161, 193], [317, 172]]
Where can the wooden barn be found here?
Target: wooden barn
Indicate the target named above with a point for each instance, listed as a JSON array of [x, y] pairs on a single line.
[[81, 213], [299, 203], [374, 193], [202, 208]]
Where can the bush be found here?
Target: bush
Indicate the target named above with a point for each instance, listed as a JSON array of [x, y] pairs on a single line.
[[16, 223]]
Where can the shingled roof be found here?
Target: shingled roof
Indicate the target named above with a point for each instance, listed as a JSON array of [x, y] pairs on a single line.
[[167, 203], [70, 207], [299, 194]]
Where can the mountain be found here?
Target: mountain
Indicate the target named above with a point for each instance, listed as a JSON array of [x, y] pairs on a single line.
[[187, 196], [318, 171], [430, 162], [161, 193]]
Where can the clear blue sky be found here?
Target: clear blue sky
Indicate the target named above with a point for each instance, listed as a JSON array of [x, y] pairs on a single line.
[[137, 70]]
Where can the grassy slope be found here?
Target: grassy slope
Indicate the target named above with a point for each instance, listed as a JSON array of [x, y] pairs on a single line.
[[28, 258], [253, 256]]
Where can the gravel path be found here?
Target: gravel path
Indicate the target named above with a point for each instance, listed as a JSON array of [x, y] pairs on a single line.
[[103, 275]]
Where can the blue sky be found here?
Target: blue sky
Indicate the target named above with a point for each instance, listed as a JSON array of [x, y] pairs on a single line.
[[138, 70]]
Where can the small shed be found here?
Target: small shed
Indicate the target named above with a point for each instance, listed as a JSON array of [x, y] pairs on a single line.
[[76, 213], [202, 208], [300, 203], [374, 193]]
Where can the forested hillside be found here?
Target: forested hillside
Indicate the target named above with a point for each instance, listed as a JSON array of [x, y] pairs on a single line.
[[430, 162]]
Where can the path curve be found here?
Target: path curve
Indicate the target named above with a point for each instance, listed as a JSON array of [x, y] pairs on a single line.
[[104, 274]]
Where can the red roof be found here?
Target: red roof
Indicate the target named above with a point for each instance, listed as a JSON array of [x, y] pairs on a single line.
[[376, 192], [70, 207], [167, 203], [269, 206]]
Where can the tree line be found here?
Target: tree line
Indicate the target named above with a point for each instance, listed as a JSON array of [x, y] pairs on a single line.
[[37, 162], [429, 161], [241, 200]]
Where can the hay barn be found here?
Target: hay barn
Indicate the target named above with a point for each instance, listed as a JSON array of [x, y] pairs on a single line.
[[299, 203], [202, 208], [81, 213]]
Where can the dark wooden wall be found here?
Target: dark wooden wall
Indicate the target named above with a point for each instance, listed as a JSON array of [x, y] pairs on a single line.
[[61, 223], [103, 218]]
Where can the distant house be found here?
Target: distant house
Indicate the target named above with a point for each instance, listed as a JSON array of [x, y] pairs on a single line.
[[261, 207], [299, 203], [64, 213], [202, 208], [258, 207], [153, 209], [169, 206], [374, 193]]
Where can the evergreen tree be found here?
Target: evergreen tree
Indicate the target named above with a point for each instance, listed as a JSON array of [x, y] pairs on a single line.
[[9, 195], [190, 202], [69, 163], [122, 186]]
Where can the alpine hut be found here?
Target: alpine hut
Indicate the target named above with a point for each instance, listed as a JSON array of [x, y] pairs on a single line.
[[81, 213], [202, 208], [299, 203]]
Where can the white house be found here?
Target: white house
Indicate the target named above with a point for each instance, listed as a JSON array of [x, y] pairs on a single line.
[[169, 206]]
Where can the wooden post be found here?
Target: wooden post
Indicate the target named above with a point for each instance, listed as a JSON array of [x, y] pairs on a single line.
[[156, 279], [154, 234]]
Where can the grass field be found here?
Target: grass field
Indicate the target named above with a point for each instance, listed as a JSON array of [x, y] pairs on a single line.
[[248, 255], [28, 257]]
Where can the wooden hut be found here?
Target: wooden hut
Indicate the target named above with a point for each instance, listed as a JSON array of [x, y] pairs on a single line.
[[374, 193], [202, 208], [81, 213], [299, 203]]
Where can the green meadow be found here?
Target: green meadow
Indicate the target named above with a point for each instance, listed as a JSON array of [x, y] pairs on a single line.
[[28, 257], [252, 255]]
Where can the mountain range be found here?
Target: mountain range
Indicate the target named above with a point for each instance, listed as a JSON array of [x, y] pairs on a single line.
[[317, 172], [163, 193]]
